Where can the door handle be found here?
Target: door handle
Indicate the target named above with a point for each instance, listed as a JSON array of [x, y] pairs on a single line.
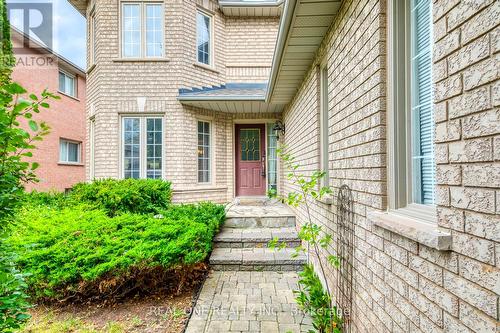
[[263, 172]]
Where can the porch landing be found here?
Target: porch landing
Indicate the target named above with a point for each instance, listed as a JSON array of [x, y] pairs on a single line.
[[251, 286], [258, 212]]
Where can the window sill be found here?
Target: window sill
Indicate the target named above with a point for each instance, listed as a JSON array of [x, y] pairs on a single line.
[[69, 96], [413, 228], [140, 60], [70, 164], [326, 200], [207, 67]]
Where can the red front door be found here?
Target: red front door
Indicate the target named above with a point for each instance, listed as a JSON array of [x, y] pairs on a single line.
[[250, 160]]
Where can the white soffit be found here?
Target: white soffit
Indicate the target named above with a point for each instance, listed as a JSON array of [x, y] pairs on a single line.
[[302, 28], [250, 8], [235, 106], [80, 5]]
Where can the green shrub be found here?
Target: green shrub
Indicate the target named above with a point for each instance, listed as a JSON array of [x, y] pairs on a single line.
[[116, 196], [75, 250], [314, 300], [45, 199]]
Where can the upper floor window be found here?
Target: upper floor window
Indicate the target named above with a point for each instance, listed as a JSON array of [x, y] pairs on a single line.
[[204, 38], [142, 30], [69, 151], [411, 130], [67, 84], [142, 149]]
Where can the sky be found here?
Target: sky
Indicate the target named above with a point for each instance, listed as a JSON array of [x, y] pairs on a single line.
[[69, 29]]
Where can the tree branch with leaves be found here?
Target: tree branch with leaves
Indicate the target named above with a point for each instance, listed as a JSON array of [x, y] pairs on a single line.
[[310, 297], [16, 143]]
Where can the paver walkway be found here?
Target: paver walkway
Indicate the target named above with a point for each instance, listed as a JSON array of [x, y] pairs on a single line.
[[238, 301], [251, 286]]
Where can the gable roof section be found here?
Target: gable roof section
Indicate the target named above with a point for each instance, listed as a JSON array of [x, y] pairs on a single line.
[[303, 26], [249, 8]]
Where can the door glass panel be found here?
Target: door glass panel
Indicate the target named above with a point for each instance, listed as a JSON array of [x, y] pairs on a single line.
[[250, 144]]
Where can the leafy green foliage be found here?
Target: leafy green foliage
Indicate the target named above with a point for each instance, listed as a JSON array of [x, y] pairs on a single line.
[[314, 300], [116, 196], [68, 250], [309, 188], [311, 296], [7, 60], [13, 299], [16, 144]]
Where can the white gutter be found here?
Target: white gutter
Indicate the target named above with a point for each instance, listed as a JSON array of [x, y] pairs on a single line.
[[284, 29]]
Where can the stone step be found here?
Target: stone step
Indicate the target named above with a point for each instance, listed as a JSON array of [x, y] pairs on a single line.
[[256, 259], [255, 237], [273, 216], [254, 201]]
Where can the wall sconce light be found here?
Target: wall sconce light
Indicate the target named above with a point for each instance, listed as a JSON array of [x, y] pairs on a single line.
[[279, 127]]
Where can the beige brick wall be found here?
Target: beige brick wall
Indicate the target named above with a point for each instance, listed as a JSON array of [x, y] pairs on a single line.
[[399, 284], [249, 48], [115, 85]]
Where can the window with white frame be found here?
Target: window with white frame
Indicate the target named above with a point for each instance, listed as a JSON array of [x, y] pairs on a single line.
[[142, 30], [323, 125], [422, 119], [67, 84], [142, 151], [69, 151], [411, 135], [204, 38], [204, 152], [92, 147]]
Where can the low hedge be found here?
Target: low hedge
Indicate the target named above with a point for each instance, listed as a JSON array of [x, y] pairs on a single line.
[[75, 251], [116, 196]]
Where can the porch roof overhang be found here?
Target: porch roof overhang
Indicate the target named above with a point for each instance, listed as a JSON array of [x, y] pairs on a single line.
[[249, 8], [304, 24], [231, 98]]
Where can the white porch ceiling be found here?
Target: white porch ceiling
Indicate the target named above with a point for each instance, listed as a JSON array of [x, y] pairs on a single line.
[[235, 106], [303, 26], [248, 8]]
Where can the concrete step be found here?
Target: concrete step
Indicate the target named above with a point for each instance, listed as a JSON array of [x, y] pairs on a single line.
[[255, 237], [256, 259], [260, 216]]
